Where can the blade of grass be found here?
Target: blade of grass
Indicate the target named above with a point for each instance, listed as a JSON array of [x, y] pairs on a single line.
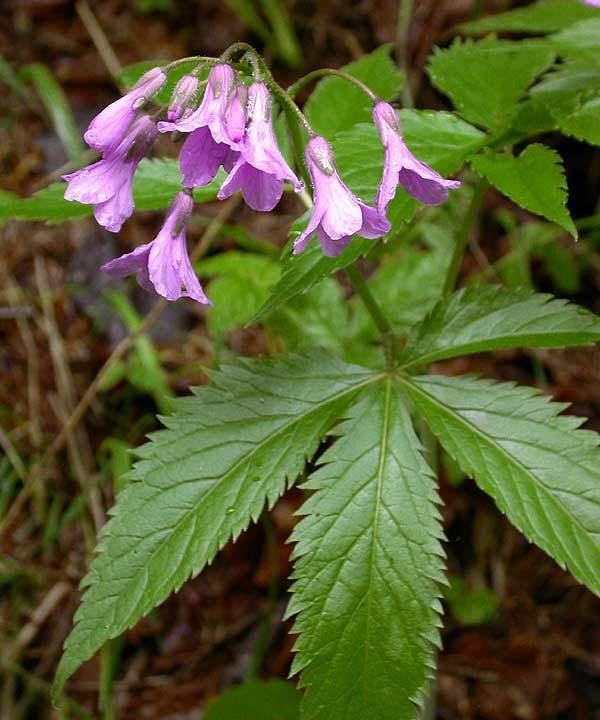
[[58, 108]]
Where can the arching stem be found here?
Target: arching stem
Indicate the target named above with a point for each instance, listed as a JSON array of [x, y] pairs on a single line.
[[294, 89]]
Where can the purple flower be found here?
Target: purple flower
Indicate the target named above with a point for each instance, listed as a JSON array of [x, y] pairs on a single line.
[[337, 214], [401, 166], [212, 112], [107, 184], [110, 126], [261, 168], [593, 3], [182, 97], [201, 156], [163, 265]]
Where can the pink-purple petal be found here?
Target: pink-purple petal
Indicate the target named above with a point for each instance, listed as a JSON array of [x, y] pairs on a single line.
[[164, 265], [201, 157], [212, 110], [402, 167], [341, 212], [332, 247], [304, 238], [106, 131], [260, 190], [337, 214], [374, 223], [260, 148]]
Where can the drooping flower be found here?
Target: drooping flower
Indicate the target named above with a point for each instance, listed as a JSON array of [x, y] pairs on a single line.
[[337, 213], [107, 184], [401, 166], [110, 126], [212, 110], [201, 156], [182, 96], [163, 265], [260, 169]]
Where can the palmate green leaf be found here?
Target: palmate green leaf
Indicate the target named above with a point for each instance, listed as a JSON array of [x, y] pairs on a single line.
[[337, 105], [580, 41], [570, 96], [542, 471], [535, 180], [583, 122], [224, 454], [438, 138], [490, 318], [542, 17], [155, 184], [368, 568], [463, 72]]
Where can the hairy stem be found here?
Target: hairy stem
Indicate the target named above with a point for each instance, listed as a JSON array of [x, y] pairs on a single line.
[[201, 59], [381, 322], [462, 240], [289, 105], [307, 79]]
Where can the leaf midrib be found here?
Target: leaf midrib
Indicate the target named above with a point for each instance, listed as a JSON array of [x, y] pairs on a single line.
[[380, 470], [490, 440], [473, 347], [255, 449]]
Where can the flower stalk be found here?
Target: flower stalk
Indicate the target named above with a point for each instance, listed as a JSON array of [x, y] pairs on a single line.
[[388, 338], [464, 234], [294, 89]]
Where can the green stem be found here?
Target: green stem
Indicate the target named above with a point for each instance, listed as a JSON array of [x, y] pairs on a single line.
[[251, 54], [464, 234], [191, 58], [405, 9], [381, 322], [289, 105], [297, 122], [307, 79]]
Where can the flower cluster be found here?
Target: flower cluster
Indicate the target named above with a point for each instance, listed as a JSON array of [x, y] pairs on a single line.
[[232, 128]]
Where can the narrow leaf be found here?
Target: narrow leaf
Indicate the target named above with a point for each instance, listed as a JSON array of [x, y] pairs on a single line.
[[227, 451], [155, 184], [535, 180], [369, 562], [58, 108], [490, 318], [542, 471]]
